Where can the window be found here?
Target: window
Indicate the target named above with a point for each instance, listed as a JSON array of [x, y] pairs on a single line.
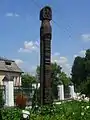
[[7, 63]]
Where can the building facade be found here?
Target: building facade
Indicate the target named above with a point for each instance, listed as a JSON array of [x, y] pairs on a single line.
[[10, 68]]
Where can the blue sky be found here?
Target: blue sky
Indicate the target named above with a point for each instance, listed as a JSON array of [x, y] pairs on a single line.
[[19, 31]]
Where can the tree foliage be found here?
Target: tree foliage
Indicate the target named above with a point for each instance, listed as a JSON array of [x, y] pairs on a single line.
[[57, 77], [81, 72], [27, 80], [65, 80], [78, 71]]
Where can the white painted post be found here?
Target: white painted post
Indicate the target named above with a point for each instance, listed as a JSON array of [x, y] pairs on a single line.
[[61, 92], [72, 93], [9, 92], [20, 81], [6, 90], [38, 85], [6, 94], [14, 81]]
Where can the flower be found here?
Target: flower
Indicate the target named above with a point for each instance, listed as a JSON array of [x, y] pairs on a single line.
[[25, 113], [86, 99], [58, 103], [82, 113], [82, 106], [80, 97], [87, 107], [28, 107], [73, 113]]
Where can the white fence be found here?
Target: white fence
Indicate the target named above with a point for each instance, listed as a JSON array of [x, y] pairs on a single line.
[[9, 92], [61, 92]]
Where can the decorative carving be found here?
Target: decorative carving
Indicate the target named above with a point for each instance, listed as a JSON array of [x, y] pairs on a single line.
[[45, 55], [46, 13]]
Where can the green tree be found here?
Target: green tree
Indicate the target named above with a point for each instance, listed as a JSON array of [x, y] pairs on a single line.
[[87, 63], [81, 73], [87, 56], [38, 73], [57, 76], [56, 71], [65, 79], [78, 70], [27, 80]]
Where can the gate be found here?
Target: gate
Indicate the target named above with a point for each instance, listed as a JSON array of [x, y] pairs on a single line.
[[66, 92], [28, 92]]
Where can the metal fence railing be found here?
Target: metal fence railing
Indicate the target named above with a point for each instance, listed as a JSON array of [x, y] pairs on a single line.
[[28, 92], [2, 95], [66, 92]]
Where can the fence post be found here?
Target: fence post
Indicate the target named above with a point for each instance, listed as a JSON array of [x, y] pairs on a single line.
[[61, 92], [9, 91], [72, 93]]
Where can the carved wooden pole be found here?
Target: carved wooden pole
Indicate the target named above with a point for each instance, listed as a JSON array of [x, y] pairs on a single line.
[[45, 55]]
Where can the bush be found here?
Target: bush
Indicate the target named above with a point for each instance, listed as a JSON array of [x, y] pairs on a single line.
[[11, 114], [36, 97], [84, 87], [73, 110], [21, 101]]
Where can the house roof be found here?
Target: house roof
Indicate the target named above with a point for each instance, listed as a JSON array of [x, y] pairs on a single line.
[[11, 67], [8, 78]]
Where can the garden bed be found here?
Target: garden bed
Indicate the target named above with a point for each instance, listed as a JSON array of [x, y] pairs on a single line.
[[72, 110]]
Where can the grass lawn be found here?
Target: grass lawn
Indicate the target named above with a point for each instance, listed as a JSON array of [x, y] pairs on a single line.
[[72, 110]]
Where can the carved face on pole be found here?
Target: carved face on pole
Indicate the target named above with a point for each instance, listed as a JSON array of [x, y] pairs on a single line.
[[46, 14]]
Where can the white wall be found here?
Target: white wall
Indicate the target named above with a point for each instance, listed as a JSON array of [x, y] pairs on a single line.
[[17, 77]]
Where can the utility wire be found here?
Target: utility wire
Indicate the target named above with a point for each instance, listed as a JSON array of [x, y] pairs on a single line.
[[36, 4]]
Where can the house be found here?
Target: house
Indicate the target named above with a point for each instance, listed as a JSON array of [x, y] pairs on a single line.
[[10, 68]]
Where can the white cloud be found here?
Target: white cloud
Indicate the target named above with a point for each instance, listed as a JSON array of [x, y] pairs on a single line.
[[75, 56], [37, 43], [25, 66], [29, 46], [9, 14], [16, 15], [28, 68], [23, 50], [81, 54], [63, 62], [60, 60], [18, 62], [12, 15], [86, 37]]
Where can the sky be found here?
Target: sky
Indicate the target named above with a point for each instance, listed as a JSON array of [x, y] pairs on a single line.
[[20, 31]]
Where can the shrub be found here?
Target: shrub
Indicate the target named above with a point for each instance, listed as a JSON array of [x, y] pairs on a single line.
[[36, 97], [73, 110], [11, 114], [21, 101]]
